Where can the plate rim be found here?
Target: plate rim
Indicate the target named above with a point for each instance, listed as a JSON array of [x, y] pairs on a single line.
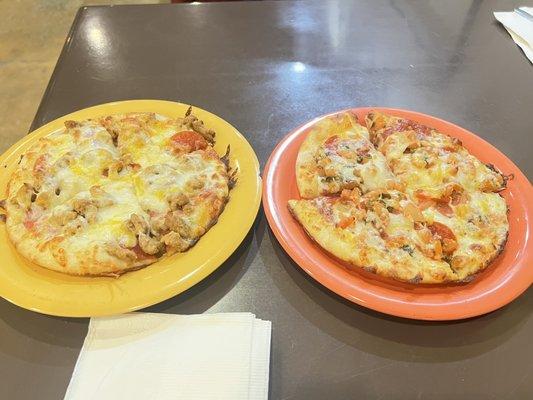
[[418, 311], [180, 284]]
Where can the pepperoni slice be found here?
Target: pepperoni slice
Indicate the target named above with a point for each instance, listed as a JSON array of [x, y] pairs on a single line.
[[189, 141]]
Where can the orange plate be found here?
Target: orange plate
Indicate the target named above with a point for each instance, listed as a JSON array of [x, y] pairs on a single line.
[[504, 280]]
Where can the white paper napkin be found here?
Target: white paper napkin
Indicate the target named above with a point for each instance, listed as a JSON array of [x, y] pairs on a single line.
[[164, 356], [519, 24]]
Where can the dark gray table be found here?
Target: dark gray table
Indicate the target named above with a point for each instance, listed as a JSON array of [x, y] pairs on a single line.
[[267, 67]]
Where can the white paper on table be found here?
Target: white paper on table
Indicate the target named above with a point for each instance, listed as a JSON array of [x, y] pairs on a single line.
[[164, 356], [520, 27]]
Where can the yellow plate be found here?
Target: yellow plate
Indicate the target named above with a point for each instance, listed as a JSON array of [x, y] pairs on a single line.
[[35, 288]]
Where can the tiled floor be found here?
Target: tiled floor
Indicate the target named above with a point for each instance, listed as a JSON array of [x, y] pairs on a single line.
[[31, 36]]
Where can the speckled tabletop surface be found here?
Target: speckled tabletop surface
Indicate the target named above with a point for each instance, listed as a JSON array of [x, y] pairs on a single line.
[[267, 67]]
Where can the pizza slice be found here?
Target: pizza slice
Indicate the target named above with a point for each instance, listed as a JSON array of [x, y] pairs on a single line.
[[185, 198], [422, 157], [337, 155], [475, 220], [382, 232], [455, 191], [148, 138]]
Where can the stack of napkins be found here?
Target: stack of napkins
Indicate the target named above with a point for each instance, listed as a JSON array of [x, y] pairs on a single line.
[[519, 24], [163, 356]]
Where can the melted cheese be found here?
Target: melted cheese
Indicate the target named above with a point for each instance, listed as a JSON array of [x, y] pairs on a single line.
[[110, 224], [353, 162], [362, 245], [156, 184], [95, 175], [480, 226]]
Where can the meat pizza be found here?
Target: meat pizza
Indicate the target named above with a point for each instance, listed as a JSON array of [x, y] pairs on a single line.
[[113, 194], [430, 212]]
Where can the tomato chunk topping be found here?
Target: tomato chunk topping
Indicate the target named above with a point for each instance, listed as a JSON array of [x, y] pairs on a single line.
[[189, 141]]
